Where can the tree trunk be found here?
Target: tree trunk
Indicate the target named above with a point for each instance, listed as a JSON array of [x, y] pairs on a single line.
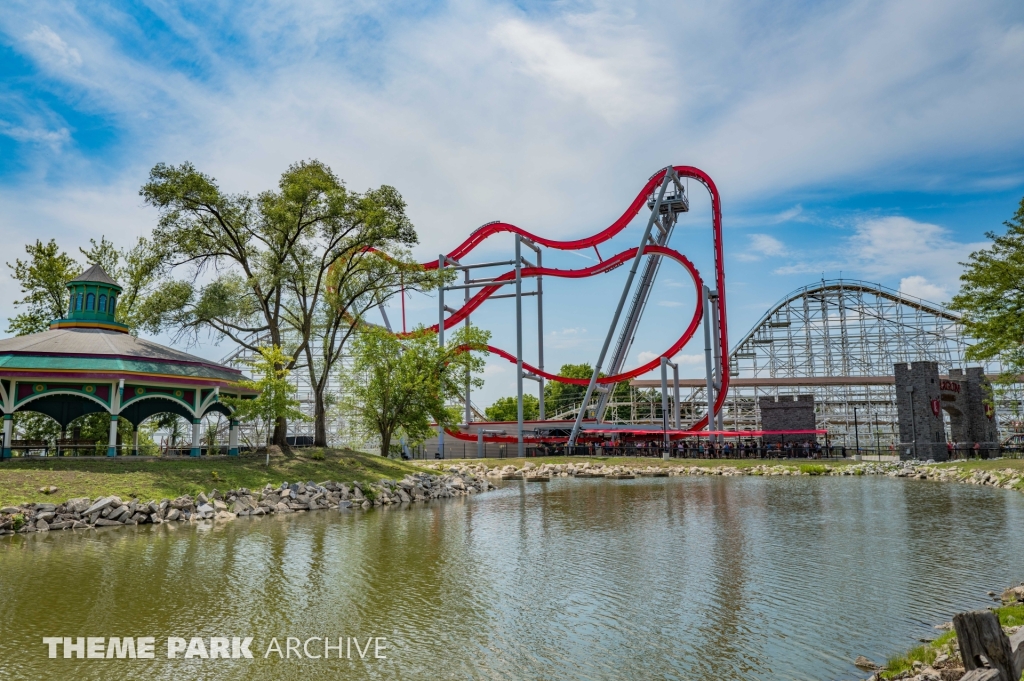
[[319, 419], [281, 432], [385, 444]]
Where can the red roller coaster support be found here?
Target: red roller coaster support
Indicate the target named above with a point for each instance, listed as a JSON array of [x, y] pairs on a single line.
[[483, 233]]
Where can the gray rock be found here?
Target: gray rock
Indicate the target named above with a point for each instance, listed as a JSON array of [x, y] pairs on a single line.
[[99, 506], [106, 522], [201, 499], [78, 505], [173, 514], [42, 526], [45, 515], [120, 514], [10, 510], [204, 508], [342, 505]]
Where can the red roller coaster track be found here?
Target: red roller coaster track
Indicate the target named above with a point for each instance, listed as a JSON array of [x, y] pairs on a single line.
[[483, 233]]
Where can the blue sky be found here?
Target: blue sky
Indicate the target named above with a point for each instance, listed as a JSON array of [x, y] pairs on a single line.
[[877, 140]]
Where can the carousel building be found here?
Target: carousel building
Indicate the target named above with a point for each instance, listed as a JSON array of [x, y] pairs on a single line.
[[88, 363]]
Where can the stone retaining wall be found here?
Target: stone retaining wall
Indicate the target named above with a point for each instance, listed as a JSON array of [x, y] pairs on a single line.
[[112, 511]]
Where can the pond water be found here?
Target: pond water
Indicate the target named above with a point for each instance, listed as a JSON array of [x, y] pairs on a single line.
[[675, 578]]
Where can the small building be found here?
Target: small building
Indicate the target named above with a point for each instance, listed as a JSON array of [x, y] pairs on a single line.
[[921, 398], [787, 413], [88, 363]]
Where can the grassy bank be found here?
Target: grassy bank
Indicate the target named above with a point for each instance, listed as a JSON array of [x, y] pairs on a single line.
[[1009, 616], [20, 479], [657, 462]]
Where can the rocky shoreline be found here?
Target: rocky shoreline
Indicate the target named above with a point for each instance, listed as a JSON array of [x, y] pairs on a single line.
[[84, 513], [458, 480], [1006, 479], [940, 659]]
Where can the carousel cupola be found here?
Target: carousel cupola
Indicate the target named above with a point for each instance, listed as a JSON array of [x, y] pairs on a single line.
[[93, 302]]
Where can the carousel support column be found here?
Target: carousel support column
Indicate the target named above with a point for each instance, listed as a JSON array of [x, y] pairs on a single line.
[[8, 427], [195, 437], [233, 438], [112, 443]]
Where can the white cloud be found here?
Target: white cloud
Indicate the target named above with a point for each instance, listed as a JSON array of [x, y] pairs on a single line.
[[607, 83], [51, 50], [645, 356], [789, 214], [38, 135], [762, 246], [920, 287], [891, 247]]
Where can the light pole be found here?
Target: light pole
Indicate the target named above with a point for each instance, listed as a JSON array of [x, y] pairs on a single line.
[[856, 433]]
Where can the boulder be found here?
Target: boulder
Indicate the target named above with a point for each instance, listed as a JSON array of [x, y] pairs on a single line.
[[172, 514], [99, 506], [77, 505], [106, 522], [42, 526]]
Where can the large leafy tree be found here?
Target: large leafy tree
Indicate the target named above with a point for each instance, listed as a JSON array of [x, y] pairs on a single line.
[[43, 278], [399, 385], [276, 394], [507, 409], [991, 298], [259, 266]]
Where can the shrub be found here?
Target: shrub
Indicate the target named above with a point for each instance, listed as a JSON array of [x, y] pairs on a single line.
[[317, 455], [19, 521], [813, 469]]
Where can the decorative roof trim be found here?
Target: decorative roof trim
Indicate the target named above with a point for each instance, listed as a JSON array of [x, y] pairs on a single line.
[[125, 358], [77, 324], [136, 377]]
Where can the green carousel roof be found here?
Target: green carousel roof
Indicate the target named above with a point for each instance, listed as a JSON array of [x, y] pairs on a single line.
[[90, 343]]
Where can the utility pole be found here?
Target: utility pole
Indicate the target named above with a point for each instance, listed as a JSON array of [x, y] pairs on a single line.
[[856, 431], [520, 451], [440, 341]]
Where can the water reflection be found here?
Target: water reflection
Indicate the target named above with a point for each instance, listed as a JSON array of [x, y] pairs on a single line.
[[735, 578]]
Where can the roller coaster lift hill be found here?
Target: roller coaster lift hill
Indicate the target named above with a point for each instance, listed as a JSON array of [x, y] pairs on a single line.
[[666, 197]]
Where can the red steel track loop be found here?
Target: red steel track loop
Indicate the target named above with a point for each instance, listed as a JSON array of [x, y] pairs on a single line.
[[483, 233]]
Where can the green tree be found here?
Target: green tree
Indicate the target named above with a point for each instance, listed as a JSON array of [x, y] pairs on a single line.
[[399, 385], [507, 409], [43, 278], [276, 399], [138, 270], [991, 299], [270, 256]]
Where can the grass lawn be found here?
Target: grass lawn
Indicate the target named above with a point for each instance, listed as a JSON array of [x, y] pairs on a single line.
[[20, 479], [986, 465]]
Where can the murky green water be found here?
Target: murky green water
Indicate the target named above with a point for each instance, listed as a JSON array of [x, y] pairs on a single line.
[[703, 578]]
